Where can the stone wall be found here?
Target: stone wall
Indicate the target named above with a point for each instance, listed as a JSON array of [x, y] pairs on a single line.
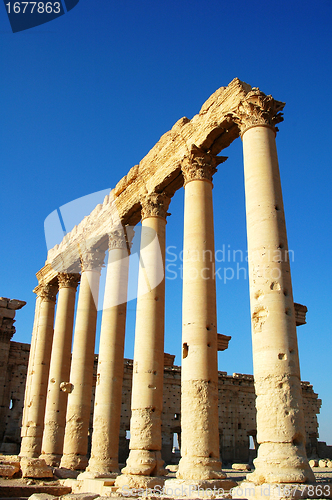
[[13, 397], [237, 414]]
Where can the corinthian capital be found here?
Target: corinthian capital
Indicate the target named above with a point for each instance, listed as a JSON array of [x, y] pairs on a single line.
[[258, 109], [68, 280], [155, 205], [92, 260], [117, 239], [200, 165], [46, 291]]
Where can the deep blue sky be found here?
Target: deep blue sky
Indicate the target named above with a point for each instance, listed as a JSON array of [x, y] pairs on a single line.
[[86, 96]]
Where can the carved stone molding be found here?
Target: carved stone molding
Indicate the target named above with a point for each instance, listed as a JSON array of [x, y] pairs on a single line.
[[7, 330], [257, 109], [68, 280], [117, 239], [92, 260], [155, 205], [46, 291], [200, 165]]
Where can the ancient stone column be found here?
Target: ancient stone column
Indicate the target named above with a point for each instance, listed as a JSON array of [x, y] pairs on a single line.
[[107, 409], [148, 373], [280, 420], [56, 403], [81, 373], [199, 376], [32, 432]]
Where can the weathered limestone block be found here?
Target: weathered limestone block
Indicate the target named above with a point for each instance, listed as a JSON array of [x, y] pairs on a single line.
[[7, 470], [63, 473], [241, 467], [126, 482], [35, 467], [13, 460], [41, 496]]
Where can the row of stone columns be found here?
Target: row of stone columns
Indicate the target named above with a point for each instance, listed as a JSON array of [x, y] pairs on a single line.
[[280, 423]]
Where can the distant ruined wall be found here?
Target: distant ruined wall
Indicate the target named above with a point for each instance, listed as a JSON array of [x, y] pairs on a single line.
[[13, 397], [237, 414]]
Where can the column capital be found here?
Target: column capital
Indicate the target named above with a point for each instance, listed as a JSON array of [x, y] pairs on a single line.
[[117, 239], [258, 109], [46, 291], [155, 205], [200, 165], [92, 260], [68, 280]]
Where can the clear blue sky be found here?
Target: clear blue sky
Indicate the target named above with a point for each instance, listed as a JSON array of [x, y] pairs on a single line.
[[86, 96]]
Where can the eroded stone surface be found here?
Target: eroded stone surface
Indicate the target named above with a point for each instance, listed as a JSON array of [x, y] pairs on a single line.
[[34, 467]]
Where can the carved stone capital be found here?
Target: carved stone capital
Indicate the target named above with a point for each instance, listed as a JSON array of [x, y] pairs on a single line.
[[117, 239], [46, 291], [200, 165], [258, 109], [155, 205], [68, 280], [92, 260]]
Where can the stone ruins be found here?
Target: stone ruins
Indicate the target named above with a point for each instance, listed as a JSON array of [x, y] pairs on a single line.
[[236, 408], [55, 422]]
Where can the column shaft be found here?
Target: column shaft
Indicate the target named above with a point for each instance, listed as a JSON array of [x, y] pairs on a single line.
[[81, 374], [280, 420], [107, 410], [148, 374], [199, 375], [56, 404], [32, 433]]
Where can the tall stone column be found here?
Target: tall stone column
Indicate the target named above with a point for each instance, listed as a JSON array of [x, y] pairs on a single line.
[[148, 373], [56, 403], [32, 431], [199, 375], [30, 365], [280, 420], [81, 373], [107, 410]]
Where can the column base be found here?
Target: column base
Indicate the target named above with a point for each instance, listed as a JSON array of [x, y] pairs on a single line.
[[74, 462], [102, 468], [51, 459], [145, 463], [200, 468], [128, 482], [189, 488], [281, 463]]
